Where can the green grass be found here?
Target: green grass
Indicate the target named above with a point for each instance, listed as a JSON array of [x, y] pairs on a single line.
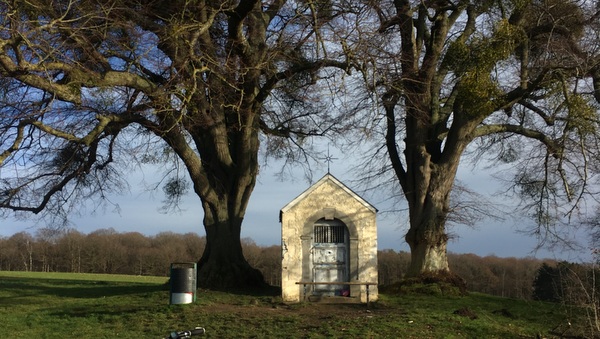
[[86, 276], [52, 305]]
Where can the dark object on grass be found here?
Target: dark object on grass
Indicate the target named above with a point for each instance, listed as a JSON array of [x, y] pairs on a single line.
[[466, 312], [505, 313], [186, 334]]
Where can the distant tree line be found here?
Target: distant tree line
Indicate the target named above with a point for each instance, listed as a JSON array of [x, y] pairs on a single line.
[[506, 277], [112, 252], [101, 251]]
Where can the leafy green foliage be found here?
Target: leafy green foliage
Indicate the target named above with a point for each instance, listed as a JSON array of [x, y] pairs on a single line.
[[544, 285], [569, 283], [473, 62], [476, 94], [482, 53], [582, 115]]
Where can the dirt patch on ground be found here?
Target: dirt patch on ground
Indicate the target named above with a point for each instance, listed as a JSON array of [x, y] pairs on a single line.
[[312, 309], [307, 314]]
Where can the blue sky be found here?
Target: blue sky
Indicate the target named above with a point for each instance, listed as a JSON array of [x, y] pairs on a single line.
[[140, 213]]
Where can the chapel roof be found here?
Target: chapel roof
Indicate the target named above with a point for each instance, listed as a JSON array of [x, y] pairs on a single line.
[[326, 178]]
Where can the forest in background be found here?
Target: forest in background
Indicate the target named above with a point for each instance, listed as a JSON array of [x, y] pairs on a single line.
[[111, 252]]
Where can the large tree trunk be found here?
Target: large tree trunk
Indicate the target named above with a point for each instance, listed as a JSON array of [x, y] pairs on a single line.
[[223, 177], [428, 241], [223, 264], [427, 184], [230, 164], [427, 233]]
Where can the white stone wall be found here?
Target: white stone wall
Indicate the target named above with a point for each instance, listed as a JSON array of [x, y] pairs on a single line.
[[328, 199]]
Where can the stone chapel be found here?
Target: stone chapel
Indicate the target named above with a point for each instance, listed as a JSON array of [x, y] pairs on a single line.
[[329, 245]]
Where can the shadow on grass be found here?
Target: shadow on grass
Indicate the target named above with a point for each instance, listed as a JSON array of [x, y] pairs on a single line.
[[25, 290], [263, 291], [103, 311]]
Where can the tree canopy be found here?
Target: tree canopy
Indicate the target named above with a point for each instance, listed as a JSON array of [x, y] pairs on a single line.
[[89, 87], [513, 82]]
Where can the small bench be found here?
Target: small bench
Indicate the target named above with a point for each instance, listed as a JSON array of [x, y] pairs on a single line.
[[367, 284]]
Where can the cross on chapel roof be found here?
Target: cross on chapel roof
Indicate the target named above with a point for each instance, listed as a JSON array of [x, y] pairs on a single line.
[[329, 159]]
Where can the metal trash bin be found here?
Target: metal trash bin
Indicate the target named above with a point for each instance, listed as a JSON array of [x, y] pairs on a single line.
[[183, 283]]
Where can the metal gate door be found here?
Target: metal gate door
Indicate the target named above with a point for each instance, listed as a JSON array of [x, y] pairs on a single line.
[[330, 257]]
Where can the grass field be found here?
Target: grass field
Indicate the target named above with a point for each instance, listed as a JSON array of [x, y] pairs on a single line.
[[58, 305]]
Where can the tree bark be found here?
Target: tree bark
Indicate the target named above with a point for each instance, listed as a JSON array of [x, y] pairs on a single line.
[[427, 236], [223, 265], [428, 241]]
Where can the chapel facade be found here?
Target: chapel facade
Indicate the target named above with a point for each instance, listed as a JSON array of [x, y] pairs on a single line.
[[329, 236]]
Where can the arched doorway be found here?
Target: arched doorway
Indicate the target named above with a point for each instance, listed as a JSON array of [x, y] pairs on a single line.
[[330, 257]]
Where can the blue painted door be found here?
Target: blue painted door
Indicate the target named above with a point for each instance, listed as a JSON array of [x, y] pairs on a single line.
[[330, 257]]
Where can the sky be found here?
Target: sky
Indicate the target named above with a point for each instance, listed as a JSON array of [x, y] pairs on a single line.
[[140, 212]]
